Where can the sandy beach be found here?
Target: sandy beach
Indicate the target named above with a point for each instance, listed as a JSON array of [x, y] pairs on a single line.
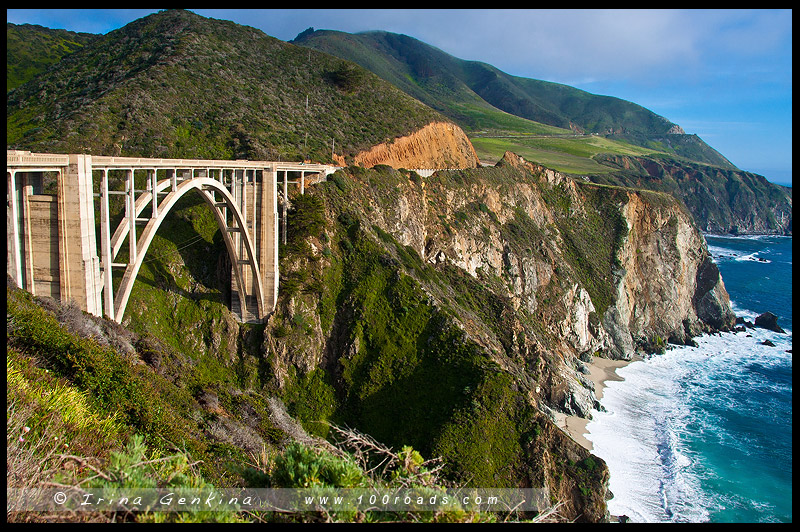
[[601, 370]]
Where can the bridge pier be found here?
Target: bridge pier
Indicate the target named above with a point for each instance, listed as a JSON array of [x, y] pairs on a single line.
[[51, 239], [79, 265]]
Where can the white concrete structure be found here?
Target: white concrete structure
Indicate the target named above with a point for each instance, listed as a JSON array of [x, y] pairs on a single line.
[[52, 243]]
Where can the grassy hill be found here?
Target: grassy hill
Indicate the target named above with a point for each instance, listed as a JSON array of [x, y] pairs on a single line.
[[488, 103], [569, 130], [174, 84], [31, 49]]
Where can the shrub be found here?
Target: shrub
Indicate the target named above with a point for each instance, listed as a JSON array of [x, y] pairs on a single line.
[[304, 467], [347, 76]]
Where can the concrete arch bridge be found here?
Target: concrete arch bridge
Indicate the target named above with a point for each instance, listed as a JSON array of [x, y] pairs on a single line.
[[53, 247]]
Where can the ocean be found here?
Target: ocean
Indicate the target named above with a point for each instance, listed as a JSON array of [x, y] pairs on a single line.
[[704, 434]]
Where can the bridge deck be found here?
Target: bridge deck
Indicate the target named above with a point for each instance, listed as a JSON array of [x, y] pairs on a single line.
[[26, 159]]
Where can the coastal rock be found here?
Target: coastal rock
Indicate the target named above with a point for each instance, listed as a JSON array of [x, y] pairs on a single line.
[[668, 286], [711, 301], [579, 398], [769, 321], [721, 200], [576, 328]]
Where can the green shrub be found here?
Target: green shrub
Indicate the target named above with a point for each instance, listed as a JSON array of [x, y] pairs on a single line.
[[304, 467]]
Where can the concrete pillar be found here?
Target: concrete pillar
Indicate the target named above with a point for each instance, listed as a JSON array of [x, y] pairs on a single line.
[[130, 214], [27, 245], [79, 265], [13, 231], [105, 247], [285, 201], [42, 239], [153, 184], [268, 252]]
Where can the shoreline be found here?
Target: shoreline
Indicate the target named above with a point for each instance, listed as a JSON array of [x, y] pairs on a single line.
[[601, 370]]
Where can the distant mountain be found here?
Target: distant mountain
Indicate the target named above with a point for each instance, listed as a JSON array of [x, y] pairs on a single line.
[[472, 94], [604, 139], [721, 200], [175, 84], [31, 49]]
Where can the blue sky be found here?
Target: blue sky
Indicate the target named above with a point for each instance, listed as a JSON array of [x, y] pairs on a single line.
[[725, 75]]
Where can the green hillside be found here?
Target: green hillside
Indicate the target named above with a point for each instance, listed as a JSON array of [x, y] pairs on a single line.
[[175, 84], [569, 130], [487, 102], [31, 49]]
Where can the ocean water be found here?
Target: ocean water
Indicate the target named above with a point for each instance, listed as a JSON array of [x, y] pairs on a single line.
[[704, 434]]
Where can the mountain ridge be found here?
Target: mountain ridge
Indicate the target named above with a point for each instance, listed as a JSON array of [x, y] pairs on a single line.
[[562, 127], [428, 73], [175, 84]]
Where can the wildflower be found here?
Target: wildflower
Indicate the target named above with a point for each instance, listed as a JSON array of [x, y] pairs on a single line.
[[26, 429]]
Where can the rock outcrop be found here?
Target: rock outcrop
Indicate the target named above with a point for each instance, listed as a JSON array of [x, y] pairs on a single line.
[[666, 287], [769, 321], [437, 145], [669, 289], [538, 231]]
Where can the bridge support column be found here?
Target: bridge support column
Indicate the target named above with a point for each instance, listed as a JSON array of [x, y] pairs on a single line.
[[14, 233], [285, 201], [79, 266], [105, 247], [257, 198], [268, 259]]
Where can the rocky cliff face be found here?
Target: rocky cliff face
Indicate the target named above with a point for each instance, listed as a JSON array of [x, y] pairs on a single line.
[[536, 271], [437, 145], [669, 289], [721, 200], [664, 283]]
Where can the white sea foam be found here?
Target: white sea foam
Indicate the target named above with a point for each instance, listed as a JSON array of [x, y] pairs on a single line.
[[643, 433], [719, 253], [723, 251], [754, 258]]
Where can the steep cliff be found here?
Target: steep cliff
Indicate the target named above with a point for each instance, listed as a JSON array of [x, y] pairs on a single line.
[[722, 200], [436, 145], [464, 303]]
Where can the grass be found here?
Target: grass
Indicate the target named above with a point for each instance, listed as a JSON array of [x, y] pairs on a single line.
[[487, 120], [573, 155]]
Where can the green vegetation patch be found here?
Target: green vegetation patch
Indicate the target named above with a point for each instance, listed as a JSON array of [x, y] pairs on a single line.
[[131, 393], [572, 154], [592, 240], [493, 460]]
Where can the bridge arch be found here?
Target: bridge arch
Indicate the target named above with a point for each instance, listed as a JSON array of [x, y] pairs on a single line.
[[207, 188]]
